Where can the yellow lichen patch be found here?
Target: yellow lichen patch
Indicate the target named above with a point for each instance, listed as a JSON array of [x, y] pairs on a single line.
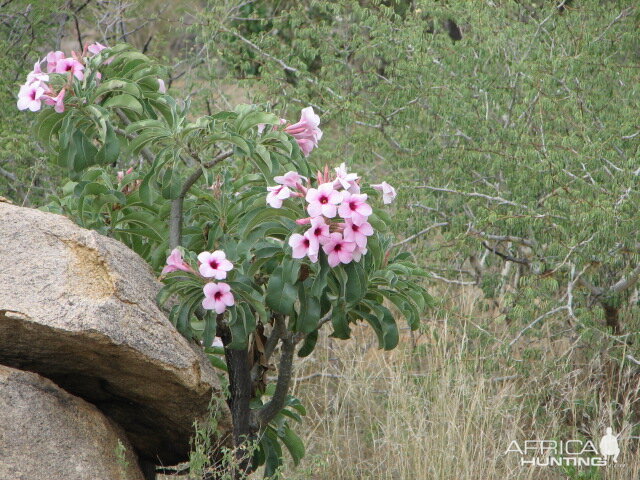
[[88, 274]]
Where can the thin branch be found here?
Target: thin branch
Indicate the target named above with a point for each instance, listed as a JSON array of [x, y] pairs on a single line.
[[474, 194], [421, 232], [541, 317], [505, 256], [175, 217], [503, 238], [623, 14], [264, 415], [447, 280]]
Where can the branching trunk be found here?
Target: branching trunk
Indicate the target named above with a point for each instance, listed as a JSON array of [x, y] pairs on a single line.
[[241, 391]]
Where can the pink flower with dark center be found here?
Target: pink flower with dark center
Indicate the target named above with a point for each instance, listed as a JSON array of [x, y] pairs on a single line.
[[30, 97], [277, 194], [319, 231], [289, 179], [388, 192], [355, 207], [214, 264], [323, 200], [175, 262], [306, 131], [217, 296], [357, 233], [303, 245], [52, 61], [339, 250], [57, 102], [70, 65], [96, 48]]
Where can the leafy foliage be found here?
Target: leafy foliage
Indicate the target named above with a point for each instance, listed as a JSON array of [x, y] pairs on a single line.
[[183, 189]]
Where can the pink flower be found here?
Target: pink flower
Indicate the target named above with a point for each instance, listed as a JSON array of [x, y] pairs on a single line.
[[217, 296], [323, 200], [121, 175], [30, 97], [37, 75], [162, 88], [277, 194], [319, 231], [303, 245], [358, 253], [96, 48], [355, 207], [306, 131], [214, 264], [175, 262], [57, 102], [344, 179], [52, 61], [388, 192], [357, 233], [289, 179], [70, 65], [339, 250]]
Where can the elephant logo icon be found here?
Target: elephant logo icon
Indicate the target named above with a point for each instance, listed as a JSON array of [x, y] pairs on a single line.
[[609, 445]]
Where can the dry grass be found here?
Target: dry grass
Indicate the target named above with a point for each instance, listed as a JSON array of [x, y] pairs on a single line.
[[447, 403]]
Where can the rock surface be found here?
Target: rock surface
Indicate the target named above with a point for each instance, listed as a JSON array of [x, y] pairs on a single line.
[[46, 433], [79, 308]]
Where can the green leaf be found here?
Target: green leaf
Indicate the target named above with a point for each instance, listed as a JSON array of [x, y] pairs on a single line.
[[116, 85], [309, 313], [124, 101], [110, 149], [356, 285], [241, 325], [309, 344], [85, 151], [254, 118], [340, 324], [320, 282], [294, 444], [281, 295]]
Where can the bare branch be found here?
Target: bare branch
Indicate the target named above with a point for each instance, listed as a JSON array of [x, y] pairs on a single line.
[[421, 232], [175, 217], [505, 256], [503, 238], [541, 317], [474, 194], [627, 281], [262, 416]]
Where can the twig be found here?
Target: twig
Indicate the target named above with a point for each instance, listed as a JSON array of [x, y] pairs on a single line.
[[544, 315], [448, 280], [503, 238], [624, 13], [175, 217], [421, 232], [473, 194], [505, 255]]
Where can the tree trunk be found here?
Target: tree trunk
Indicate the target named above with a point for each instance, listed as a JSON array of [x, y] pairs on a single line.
[[241, 391], [612, 317]]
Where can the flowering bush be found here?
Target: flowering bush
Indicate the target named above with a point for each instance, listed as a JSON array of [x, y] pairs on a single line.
[[262, 250]]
